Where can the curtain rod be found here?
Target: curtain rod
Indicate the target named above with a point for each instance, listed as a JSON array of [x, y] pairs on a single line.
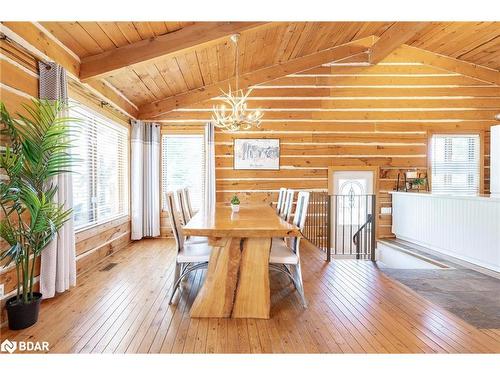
[[18, 45], [23, 48]]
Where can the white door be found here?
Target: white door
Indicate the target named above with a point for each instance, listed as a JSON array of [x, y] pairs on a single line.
[[352, 203]]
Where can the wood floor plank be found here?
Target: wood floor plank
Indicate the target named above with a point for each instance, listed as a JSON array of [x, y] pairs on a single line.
[[180, 307], [429, 332], [401, 311], [253, 336], [233, 344], [406, 342], [201, 336], [91, 298], [353, 307], [221, 345], [442, 322], [211, 335], [136, 335], [241, 336], [185, 320]]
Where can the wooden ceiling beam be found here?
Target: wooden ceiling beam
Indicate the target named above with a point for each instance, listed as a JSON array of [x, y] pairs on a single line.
[[167, 45], [396, 35], [156, 109], [43, 47], [450, 64]]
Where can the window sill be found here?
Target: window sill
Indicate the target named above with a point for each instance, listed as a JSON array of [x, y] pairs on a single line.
[[99, 223]]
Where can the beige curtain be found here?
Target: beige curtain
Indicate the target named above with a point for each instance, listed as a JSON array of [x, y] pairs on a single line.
[[209, 183], [58, 260], [145, 180]]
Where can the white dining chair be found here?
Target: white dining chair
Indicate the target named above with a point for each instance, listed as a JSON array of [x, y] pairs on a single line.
[[190, 256], [181, 205], [286, 210], [187, 201], [285, 255], [281, 200]]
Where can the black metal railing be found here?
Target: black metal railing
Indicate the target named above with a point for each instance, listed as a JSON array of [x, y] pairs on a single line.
[[363, 240], [353, 217], [342, 225]]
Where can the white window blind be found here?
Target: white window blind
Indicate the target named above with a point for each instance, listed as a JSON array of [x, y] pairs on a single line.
[[100, 181], [183, 165], [455, 164]]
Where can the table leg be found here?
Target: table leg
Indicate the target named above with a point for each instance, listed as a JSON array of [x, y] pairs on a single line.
[[253, 296], [216, 296]]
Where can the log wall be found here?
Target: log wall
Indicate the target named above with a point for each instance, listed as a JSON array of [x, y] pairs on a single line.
[[352, 115]]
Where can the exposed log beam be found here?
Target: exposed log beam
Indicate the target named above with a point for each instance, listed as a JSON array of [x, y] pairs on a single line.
[[448, 63], [171, 44], [44, 47], [156, 109], [396, 35]]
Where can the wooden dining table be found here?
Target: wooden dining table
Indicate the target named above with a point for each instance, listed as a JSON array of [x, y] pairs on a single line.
[[237, 279]]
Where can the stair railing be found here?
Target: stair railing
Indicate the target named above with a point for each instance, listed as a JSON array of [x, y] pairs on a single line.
[[358, 238]]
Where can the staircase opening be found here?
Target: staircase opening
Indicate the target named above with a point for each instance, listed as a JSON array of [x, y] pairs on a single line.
[[342, 220]]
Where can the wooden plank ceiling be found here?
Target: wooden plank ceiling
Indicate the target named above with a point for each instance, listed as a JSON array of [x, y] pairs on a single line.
[[260, 47]]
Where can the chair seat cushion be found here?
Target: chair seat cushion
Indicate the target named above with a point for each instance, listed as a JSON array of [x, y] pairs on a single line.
[[196, 239], [282, 254], [194, 253]]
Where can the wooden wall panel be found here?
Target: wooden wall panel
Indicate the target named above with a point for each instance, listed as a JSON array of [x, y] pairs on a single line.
[[18, 84], [351, 115]]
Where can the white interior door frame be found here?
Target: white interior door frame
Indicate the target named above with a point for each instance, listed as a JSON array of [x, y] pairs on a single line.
[[364, 168]]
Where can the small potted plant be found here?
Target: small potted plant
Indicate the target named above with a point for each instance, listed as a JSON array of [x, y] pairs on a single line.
[[235, 204], [37, 152], [418, 183]]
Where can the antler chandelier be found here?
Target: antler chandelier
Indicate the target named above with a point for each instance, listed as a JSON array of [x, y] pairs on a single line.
[[237, 116]]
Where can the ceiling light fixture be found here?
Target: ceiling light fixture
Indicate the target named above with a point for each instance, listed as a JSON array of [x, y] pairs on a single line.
[[237, 117]]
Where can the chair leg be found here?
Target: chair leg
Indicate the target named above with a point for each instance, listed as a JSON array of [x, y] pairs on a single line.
[[183, 272], [177, 280], [290, 273], [299, 282]]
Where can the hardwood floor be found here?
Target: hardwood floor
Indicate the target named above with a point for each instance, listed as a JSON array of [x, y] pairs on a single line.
[[353, 308]]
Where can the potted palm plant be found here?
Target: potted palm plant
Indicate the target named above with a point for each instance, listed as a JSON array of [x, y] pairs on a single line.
[[235, 204], [38, 152]]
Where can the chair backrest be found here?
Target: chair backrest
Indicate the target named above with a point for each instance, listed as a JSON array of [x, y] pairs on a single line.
[[181, 206], [175, 221], [299, 218], [281, 200], [164, 201], [286, 212], [187, 201]]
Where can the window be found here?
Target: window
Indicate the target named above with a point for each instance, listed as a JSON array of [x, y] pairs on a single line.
[[183, 165], [455, 164], [100, 181], [352, 202]]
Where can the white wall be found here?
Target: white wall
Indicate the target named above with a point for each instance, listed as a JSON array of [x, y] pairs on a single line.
[[495, 160]]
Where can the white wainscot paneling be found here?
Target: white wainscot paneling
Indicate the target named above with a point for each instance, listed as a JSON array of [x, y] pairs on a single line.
[[467, 228]]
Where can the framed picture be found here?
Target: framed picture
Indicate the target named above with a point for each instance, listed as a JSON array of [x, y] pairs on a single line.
[[256, 154]]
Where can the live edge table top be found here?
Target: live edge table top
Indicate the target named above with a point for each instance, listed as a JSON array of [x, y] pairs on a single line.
[[252, 221]]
